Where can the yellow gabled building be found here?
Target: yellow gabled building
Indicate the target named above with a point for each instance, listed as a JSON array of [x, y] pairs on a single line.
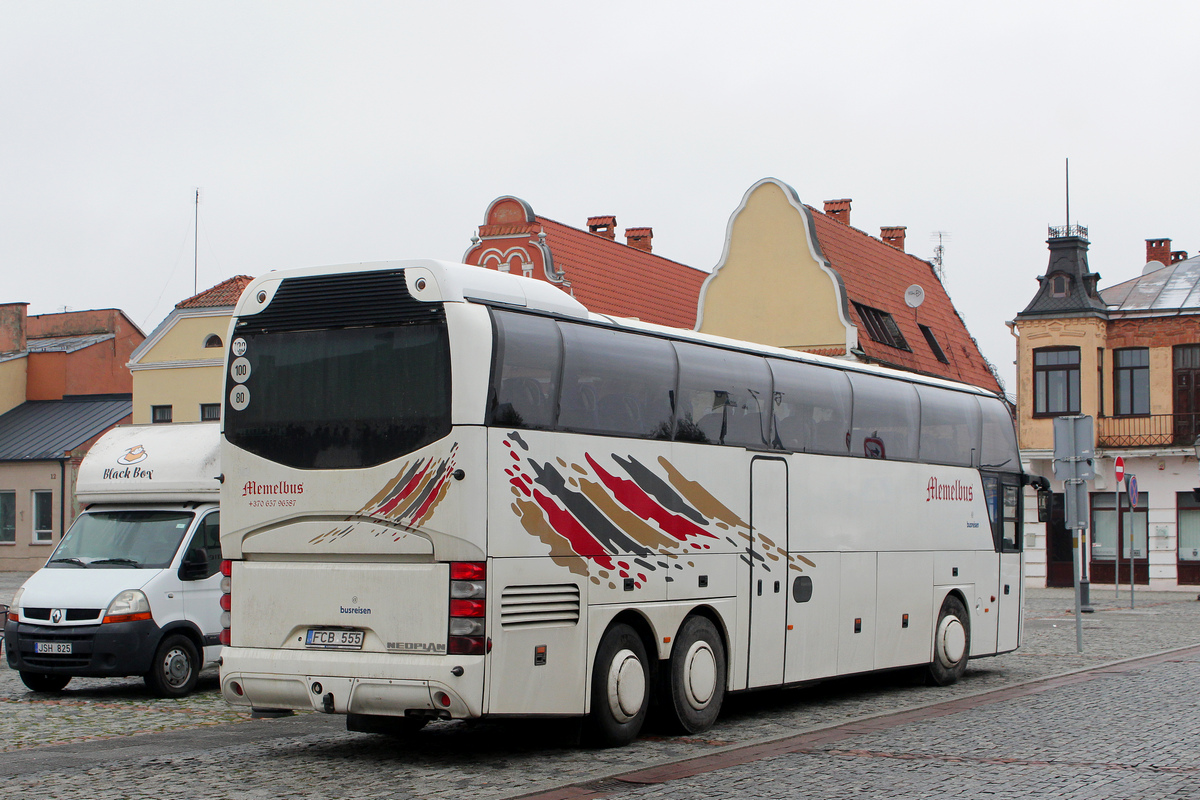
[[178, 370]]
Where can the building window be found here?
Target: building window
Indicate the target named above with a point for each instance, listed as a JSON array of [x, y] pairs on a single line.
[[210, 412], [213, 341], [1060, 285], [1189, 527], [1104, 527], [43, 516], [160, 413], [932, 341], [8, 517], [881, 327], [1055, 381], [1131, 381]]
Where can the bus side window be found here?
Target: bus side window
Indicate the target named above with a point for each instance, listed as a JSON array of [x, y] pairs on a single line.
[[724, 397], [950, 427], [812, 408], [999, 447], [886, 419], [528, 352], [616, 382]]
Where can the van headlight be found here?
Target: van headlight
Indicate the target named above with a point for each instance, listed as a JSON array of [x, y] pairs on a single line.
[[130, 605], [14, 608]]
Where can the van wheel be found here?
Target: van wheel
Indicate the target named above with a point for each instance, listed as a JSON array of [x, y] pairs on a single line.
[[44, 682], [951, 643], [696, 676], [175, 667], [620, 689]]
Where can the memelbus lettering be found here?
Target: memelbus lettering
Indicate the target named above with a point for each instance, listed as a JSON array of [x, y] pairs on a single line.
[[283, 487], [949, 491]]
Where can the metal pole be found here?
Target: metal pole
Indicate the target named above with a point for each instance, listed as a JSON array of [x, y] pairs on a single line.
[[1076, 558], [1120, 543]]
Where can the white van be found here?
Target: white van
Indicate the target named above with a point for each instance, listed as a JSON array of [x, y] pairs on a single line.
[[134, 587]]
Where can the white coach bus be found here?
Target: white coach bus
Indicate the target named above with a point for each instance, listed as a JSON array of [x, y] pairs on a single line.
[[454, 493]]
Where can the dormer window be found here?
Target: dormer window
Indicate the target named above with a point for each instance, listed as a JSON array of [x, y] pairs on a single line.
[[1060, 285]]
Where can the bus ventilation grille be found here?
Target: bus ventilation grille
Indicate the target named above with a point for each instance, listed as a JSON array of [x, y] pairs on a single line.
[[342, 301], [539, 606]]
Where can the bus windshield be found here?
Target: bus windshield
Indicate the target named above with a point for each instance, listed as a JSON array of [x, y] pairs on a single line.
[[340, 398]]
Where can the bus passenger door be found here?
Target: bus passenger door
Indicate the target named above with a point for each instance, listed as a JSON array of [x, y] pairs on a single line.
[[768, 571]]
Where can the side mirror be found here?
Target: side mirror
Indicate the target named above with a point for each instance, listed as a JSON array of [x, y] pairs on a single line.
[[1043, 503], [194, 566]]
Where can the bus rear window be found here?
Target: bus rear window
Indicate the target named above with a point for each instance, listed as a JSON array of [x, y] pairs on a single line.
[[341, 398]]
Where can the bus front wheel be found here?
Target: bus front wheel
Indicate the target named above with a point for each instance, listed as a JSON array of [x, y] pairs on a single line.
[[697, 676], [620, 688], [951, 643]]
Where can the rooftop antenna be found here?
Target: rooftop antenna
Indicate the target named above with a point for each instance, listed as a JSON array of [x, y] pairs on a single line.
[[196, 249], [1067, 163], [938, 253]]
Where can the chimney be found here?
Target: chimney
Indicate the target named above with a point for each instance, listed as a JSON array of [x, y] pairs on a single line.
[[1158, 250], [603, 226], [839, 210], [894, 235], [639, 238], [13, 321], [1178, 255]]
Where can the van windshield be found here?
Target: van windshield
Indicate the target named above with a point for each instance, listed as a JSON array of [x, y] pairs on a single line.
[[133, 539]]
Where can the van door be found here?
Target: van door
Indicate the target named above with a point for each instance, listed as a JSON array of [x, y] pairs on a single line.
[[200, 573]]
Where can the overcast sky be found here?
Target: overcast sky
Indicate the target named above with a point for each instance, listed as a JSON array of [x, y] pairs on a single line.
[[324, 133]]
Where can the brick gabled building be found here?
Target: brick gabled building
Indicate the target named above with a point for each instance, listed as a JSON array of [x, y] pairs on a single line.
[[63, 383], [624, 279], [795, 277]]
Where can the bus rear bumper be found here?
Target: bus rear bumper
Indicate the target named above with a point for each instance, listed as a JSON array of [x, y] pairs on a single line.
[[322, 687]]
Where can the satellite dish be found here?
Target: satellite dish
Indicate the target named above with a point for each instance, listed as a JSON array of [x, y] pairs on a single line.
[[914, 296]]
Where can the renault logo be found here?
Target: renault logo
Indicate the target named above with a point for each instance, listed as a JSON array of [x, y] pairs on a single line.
[[56, 616]]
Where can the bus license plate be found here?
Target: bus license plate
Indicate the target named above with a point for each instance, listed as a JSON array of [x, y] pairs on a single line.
[[334, 639], [52, 647]]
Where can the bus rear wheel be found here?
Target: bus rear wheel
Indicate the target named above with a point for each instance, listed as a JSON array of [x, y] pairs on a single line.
[[951, 643], [620, 689], [696, 676]]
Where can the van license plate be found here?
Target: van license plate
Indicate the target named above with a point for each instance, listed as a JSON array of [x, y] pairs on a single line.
[[52, 647], [334, 639]]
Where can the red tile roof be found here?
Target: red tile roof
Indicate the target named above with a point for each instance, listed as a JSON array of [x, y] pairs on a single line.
[[877, 274], [611, 277], [225, 293]]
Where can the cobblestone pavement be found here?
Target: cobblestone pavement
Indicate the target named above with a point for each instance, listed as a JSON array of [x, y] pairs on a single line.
[[112, 739]]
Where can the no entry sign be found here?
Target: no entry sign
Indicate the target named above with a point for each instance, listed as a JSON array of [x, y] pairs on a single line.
[[1120, 468]]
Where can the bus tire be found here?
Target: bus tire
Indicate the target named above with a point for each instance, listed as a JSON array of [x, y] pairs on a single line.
[[175, 667], [951, 643], [620, 689], [44, 681], [696, 676]]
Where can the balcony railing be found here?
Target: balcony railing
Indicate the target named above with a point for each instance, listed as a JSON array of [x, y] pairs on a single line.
[[1154, 430]]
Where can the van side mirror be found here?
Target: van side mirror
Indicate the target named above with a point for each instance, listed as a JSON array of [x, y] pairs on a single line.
[[194, 566]]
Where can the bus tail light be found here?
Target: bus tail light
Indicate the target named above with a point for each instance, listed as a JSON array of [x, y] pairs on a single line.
[[468, 608], [226, 600]]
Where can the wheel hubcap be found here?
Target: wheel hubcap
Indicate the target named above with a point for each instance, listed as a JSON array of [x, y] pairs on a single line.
[[177, 668], [700, 675], [952, 641], [626, 686]]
